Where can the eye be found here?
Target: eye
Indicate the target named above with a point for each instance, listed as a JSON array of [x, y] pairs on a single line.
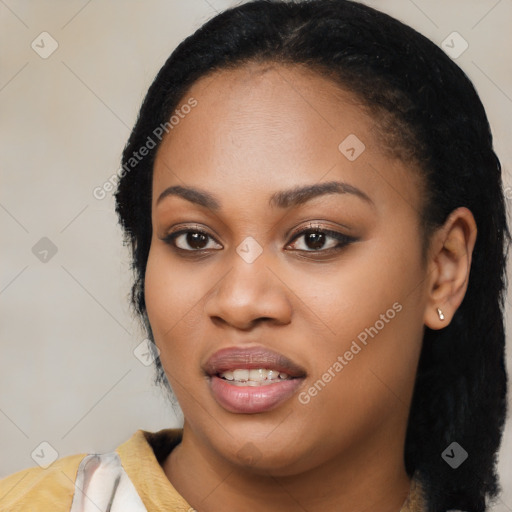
[[317, 239], [192, 240]]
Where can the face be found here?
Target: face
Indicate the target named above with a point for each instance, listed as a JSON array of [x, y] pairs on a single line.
[[284, 283]]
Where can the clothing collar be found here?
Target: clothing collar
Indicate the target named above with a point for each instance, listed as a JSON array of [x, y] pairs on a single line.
[[143, 454]]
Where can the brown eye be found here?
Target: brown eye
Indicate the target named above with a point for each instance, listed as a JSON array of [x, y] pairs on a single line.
[[191, 240], [196, 240], [315, 240], [320, 240]]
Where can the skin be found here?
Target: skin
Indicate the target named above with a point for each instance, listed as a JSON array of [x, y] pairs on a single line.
[[258, 130]]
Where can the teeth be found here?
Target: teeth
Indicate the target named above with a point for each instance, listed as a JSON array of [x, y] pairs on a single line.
[[257, 375], [241, 374], [254, 377]]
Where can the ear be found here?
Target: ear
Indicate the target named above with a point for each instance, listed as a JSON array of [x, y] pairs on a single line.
[[449, 264]]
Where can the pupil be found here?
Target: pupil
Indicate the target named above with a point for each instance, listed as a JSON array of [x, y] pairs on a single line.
[[196, 240], [316, 239]]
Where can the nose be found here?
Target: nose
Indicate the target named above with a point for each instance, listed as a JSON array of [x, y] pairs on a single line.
[[248, 294]]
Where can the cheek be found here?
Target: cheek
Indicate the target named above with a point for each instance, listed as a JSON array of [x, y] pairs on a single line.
[[372, 308], [172, 300], [360, 290]]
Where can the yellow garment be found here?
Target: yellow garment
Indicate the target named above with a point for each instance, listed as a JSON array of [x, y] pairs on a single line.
[[52, 489]]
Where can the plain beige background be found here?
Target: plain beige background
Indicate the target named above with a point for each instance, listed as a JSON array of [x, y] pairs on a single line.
[[68, 373]]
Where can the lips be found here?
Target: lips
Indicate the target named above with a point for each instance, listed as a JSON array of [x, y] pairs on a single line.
[[238, 397], [251, 358]]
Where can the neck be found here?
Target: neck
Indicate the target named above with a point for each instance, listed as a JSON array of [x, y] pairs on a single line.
[[371, 480]]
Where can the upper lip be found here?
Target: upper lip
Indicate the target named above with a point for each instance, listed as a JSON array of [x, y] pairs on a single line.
[[233, 358]]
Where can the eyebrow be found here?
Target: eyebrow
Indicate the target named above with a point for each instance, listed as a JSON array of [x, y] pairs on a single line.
[[282, 199]]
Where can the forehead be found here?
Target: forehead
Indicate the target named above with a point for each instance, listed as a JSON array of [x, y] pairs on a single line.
[[285, 101], [266, 126]]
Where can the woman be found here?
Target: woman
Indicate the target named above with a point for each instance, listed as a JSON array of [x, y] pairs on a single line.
[[319, 237]]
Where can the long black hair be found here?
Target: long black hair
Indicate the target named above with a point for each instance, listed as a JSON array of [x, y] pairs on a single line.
[[428, 113]]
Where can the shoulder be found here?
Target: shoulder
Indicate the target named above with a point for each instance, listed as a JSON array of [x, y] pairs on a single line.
[[122, 472], [41, 489]]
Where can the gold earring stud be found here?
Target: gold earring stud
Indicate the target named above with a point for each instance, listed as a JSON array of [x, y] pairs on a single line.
[[440, 313]]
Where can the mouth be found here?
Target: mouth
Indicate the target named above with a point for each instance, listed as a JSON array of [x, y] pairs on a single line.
[[254, 377], [252, 380]]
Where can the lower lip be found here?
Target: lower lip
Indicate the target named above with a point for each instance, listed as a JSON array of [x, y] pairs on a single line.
[[252, 399]]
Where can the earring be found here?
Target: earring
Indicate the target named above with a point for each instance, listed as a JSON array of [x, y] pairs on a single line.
[[440, 313]]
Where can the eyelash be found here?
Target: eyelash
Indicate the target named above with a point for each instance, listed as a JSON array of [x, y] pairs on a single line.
[[343, 240]]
